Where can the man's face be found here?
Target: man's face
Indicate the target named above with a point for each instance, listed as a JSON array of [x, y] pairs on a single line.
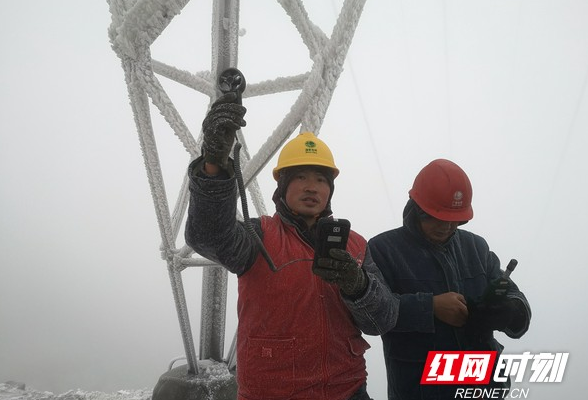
[[307, 194], [438, 231]]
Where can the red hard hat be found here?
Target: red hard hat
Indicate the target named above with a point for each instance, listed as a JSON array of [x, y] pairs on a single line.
[[443, 190]]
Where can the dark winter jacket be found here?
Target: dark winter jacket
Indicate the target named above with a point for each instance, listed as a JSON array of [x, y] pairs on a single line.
[[296, 337], [416, 270]]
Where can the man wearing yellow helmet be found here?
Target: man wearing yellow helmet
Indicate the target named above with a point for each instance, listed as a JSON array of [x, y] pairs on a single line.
[[296, 335]]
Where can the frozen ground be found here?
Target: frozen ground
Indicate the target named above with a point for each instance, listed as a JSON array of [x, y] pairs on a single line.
[[19, 391], [212, 376]]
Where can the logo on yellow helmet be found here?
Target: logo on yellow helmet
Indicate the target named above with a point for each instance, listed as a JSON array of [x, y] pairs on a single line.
[[310, 147]]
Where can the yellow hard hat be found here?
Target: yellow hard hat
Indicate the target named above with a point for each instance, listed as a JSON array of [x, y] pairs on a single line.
[[305, 149]]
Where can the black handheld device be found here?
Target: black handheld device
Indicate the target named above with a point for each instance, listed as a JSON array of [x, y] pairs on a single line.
[[498, 288], [331, 233], [232, 80]]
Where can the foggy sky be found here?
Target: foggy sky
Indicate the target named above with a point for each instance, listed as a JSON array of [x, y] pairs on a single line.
[[497, 86]]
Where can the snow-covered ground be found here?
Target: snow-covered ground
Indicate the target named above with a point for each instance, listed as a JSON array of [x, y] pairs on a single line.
[[19, 391], [213, 378]]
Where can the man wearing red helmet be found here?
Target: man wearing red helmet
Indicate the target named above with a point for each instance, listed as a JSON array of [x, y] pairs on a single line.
[[441, 274]]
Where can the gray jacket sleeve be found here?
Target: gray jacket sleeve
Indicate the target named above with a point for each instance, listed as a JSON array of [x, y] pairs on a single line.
[[376, 312], [212, 229]]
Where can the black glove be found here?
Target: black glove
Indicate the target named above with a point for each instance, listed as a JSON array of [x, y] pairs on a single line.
[[496, 316], [222, 121], [342, 269], [497, 289]]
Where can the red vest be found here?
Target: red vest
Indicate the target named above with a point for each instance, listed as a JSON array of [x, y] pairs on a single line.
[[296, 338]]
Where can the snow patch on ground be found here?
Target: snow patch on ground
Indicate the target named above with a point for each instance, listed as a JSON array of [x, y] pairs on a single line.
[[210, 372], [18, 391]]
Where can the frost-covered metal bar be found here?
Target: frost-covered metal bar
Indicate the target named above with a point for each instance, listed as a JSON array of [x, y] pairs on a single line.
[[225, 30], [311, 35], [333, 53], [134, 27], [199, 81], [143, 22]]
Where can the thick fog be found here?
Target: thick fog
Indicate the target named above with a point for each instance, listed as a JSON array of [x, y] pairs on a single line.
[[500, 87]]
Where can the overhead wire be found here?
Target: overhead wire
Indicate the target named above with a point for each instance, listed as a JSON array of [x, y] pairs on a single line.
[[448, 107], [365, 119], [565, 147], [542, 216]]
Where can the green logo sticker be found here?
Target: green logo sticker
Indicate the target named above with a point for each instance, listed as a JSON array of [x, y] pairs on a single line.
[[310, 147]]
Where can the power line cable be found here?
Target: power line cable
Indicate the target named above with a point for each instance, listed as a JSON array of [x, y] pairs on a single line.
[[447, 76], [365, 119]]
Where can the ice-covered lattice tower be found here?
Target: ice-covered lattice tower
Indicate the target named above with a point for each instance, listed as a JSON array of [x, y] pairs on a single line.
[[136, 25]]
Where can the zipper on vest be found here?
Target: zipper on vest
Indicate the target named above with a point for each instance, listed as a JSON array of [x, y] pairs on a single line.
[[319, 286], [324, 336]]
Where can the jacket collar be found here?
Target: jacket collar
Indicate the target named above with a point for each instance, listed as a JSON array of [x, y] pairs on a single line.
[[411, 218], [286, 214]]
